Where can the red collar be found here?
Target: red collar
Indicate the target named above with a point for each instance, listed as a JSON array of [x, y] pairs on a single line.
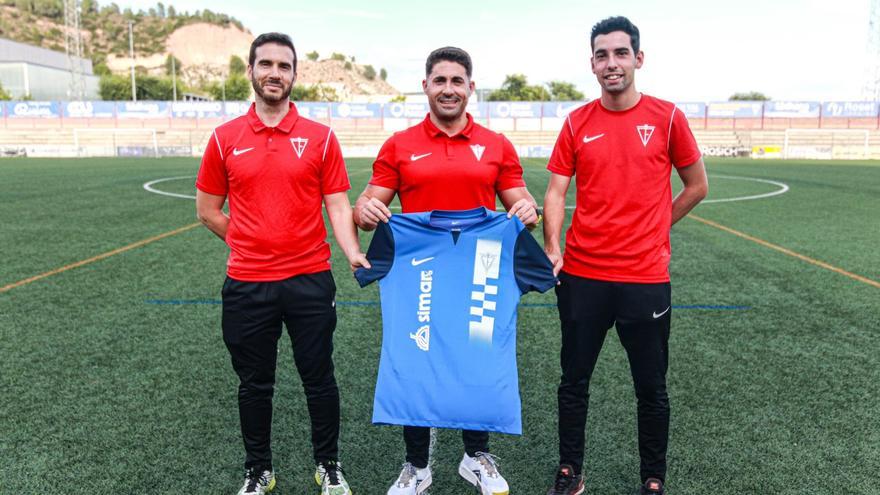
[[435, 131], [285, 126]]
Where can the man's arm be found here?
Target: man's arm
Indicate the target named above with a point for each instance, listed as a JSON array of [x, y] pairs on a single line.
[[371, 207], [696, 186], [519, 201], [554, 216], [340, 215], [209, 210]]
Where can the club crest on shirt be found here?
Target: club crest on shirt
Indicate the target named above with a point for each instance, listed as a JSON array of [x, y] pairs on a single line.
[[478, 151], [645, 132], [299, 145]]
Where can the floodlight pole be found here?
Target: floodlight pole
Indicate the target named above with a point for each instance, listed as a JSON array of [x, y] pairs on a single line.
[[131, 54]]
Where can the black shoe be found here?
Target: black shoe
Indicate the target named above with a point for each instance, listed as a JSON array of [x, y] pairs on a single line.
[[567, 483], [652, 486]]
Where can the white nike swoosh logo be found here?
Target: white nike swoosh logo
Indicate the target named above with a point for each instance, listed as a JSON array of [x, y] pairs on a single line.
[[415, 157], [587, 139], [656, 315], [416, 262], [236, 151]]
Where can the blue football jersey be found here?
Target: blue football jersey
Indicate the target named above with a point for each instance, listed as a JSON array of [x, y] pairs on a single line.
[[450, 283]]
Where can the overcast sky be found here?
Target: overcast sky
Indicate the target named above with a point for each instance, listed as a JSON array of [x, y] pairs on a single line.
[[694, 50]]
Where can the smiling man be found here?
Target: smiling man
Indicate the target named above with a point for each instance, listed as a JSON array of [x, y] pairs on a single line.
[[277, 168], [447, 162], [615, 272]]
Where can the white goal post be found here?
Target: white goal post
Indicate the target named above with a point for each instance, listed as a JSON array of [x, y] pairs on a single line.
[[826, 144], [111, 141]]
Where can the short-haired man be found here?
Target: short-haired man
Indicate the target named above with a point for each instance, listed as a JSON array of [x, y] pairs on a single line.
[[615, 271], [277, 168], [447, 162]]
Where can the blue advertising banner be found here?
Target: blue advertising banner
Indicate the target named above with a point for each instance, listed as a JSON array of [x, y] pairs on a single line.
[[692, 110], [236, 108], [735, 109], [478, 110], [33, 109], [559, 109], [197, 109], [356, 110], [850, 109], [88, 109], [514, 109], [142, 109], [314, 110], [405, 110], [791, 109]]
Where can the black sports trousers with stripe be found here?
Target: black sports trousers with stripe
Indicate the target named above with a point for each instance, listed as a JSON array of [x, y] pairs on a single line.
[[253, 314], [642, 315]]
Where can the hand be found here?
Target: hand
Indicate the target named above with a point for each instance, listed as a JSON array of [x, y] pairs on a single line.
[[526, 211], [555, 257], [371, 212], [358, 260]]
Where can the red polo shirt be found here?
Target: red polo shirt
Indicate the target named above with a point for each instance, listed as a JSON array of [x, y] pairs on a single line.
[[275, 178], [431, 170], [622, 162]]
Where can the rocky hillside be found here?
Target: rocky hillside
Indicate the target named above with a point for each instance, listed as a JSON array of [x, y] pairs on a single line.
[[203, 42]]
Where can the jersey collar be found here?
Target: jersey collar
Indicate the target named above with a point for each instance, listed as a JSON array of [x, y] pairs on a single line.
[[285, 126], [435, 131]]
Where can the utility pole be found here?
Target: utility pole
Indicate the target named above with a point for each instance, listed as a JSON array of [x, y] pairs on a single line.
[[174, 76], [131, 54], [871, 90]]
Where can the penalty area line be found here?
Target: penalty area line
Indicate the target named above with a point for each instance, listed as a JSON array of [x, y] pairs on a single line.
[[98, 257], [789, 252]]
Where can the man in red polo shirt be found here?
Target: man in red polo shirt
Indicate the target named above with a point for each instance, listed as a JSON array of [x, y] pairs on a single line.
[[277, 168], [621, 149], [447, 162]]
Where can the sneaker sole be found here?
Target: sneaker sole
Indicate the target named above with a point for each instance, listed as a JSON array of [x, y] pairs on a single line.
[[423, 486], [472, 479]]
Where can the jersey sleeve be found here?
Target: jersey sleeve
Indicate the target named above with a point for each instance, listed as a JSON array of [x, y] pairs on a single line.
[[380, 255], [334, 177], [531, 266], [562, 160], [385, 169], [510, 172], [683, 149], [212, 177]]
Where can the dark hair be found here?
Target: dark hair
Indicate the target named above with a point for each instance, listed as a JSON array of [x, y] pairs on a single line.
[[278, 38], [449, 54], [618, 23]]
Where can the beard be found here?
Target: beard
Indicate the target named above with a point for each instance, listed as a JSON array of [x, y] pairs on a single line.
[[446, 114], [284, 96]]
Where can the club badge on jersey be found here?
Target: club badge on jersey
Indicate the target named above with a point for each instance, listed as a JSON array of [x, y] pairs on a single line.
[[450, 283]]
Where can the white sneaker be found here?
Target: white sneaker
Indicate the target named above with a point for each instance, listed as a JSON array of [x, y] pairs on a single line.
[[482, 472], [257, 482], [411, 481], [330, 478]]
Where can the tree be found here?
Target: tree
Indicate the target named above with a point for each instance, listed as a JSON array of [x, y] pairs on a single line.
[[398, 99], [313, 92], [749, 96], [237, 88], [168, 66], [4, 95], [337, 56], [172, 12], [160, 9], [347, 65], [118, 88], [237, 65], [516, 88], [383, 74], [313, 56], [369, 72], [564, 91]]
